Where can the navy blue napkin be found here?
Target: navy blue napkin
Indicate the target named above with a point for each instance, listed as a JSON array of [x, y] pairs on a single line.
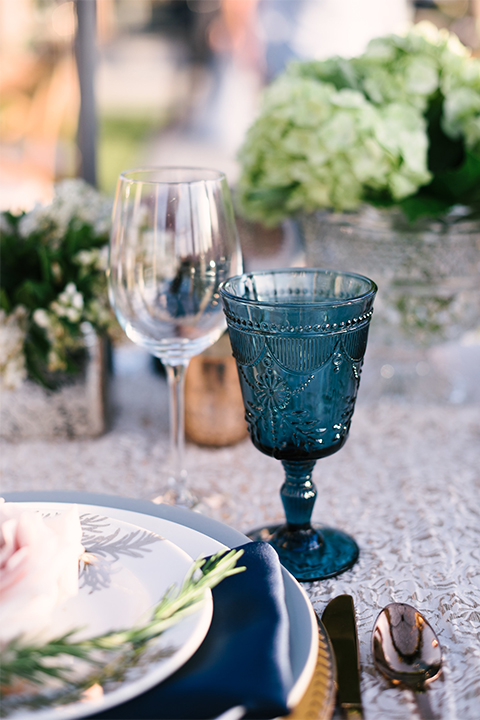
[[244, 659]]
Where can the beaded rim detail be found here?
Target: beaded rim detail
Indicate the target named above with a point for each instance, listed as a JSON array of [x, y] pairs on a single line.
[[273, 329]]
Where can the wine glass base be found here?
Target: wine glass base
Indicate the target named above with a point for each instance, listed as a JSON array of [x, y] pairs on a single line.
[[179, 497], [314, 553]]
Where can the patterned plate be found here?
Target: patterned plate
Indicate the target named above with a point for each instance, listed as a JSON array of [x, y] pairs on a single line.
[[127, 570]]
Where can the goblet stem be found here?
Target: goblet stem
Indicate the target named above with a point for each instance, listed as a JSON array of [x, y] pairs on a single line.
[[310, 552], [298, 492], [178, 493]]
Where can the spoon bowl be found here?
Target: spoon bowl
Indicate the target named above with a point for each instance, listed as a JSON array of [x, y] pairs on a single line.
[[406, 650]]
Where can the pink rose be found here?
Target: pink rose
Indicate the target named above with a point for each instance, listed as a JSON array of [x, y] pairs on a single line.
[[38, 567]]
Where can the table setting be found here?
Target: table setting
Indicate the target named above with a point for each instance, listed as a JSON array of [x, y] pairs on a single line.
[[298, 335], [143, 577]]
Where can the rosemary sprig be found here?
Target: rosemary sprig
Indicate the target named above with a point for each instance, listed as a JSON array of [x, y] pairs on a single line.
[[39, 663]]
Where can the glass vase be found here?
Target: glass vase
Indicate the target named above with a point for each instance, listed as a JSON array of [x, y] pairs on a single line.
[[425, 339]]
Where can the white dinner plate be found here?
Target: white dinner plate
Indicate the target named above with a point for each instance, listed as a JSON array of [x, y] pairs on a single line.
[[128, 570], [199, 535]]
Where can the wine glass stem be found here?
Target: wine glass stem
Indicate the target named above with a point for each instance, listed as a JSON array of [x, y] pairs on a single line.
[[176, 384]]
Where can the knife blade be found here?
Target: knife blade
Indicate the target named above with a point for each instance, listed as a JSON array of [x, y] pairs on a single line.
[[339, 621]]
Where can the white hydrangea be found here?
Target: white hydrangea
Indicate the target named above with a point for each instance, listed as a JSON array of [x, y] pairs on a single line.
[[12, 357]]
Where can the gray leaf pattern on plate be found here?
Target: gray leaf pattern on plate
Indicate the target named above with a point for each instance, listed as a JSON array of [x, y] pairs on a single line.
[[103, 549]]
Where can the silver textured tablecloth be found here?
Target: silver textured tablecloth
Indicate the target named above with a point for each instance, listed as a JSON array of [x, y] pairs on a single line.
[[406, 485]]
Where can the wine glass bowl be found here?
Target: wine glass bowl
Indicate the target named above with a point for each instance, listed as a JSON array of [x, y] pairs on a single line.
[[173, 242], [299, 338]]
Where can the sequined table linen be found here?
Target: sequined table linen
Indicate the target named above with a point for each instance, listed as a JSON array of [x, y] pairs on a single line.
[[406, 486]]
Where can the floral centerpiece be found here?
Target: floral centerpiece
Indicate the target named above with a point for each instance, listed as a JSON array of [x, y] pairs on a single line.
[[398, 125], [53, 286], [373, 162]]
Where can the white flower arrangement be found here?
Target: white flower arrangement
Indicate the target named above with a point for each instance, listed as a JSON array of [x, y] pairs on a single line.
[[53, 282], [398, 125]]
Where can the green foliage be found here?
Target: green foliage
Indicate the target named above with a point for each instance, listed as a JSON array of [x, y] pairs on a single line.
[[52, 281], [398, 125]]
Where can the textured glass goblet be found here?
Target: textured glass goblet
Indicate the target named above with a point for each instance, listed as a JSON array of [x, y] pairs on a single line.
[[173, 242], [299, 338]]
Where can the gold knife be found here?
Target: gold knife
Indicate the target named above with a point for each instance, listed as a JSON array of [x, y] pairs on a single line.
[[340, 624]]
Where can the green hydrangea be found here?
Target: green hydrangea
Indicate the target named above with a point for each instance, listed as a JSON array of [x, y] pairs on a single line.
[[382, 127]]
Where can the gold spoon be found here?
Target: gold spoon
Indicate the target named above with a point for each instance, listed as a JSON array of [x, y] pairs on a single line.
[[406, 650]]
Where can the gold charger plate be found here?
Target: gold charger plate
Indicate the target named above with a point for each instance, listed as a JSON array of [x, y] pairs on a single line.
[[318, 701]]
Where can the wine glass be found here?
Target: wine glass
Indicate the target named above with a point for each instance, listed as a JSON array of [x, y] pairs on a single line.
[[173, 242], [299, 338]]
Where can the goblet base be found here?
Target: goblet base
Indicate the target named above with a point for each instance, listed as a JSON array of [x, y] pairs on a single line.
[[313, 552]]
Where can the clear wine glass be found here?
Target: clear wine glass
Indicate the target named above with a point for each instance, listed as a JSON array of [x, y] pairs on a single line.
[[173, 242]]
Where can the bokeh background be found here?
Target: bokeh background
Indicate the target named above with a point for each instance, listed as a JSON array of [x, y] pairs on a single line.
[[163, 81]]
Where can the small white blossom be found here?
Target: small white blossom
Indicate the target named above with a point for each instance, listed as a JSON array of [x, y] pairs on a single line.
[[99, 313], [12, 356], [56, 271], [55, 361], [102, 261], [41, 318], [69, 304], [77, 301], [37, 220], [87, 258], [72, 314]]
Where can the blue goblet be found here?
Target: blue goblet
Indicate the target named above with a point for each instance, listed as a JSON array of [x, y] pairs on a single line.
[[299, 338]]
